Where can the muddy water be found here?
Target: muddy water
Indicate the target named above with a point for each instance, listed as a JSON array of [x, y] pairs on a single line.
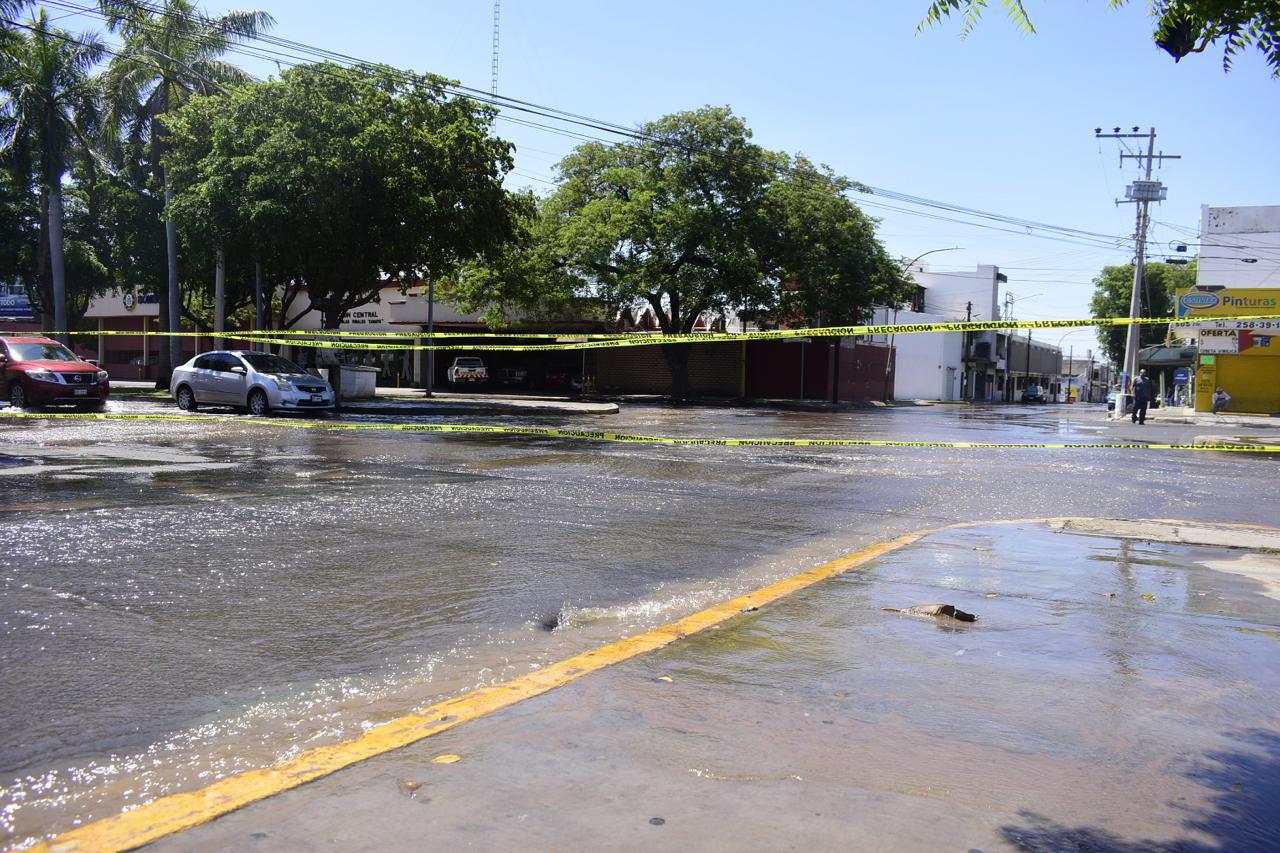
[[183, 601]]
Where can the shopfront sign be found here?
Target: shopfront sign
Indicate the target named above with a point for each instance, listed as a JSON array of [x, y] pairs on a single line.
[[1218, 301], [1220, 341], [15, 306]]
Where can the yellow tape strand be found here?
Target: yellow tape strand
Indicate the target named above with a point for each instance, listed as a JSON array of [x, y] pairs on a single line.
[[609, 341], [631, 438]]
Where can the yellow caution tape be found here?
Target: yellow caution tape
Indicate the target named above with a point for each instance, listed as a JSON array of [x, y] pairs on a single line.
[[631, 438], [331, 340]]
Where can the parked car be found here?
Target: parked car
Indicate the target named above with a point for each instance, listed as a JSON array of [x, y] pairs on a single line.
[[257, 381], [1033, 394], [37, 371], [467, 370], [513, 377]]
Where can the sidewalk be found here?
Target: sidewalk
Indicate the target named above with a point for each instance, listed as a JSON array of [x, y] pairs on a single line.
[[1179, 415], [1117, 696], [413, 402]]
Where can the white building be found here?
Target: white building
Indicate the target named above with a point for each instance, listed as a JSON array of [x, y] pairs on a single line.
[[1239, 246], [950, 365]]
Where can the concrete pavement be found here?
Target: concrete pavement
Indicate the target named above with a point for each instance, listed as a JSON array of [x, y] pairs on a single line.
[[1121, 701]]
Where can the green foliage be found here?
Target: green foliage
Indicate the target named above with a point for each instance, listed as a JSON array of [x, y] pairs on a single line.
[[48, 115], [970, 11], [1112, 290], [1182, 27], [344, 179], [169, 52], [698, 220]]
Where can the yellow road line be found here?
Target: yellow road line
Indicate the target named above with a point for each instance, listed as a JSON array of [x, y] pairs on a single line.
[[181, 811], [176, 812], [633, 438]]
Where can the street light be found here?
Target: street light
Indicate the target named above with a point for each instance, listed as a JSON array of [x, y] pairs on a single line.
[[889, 358]]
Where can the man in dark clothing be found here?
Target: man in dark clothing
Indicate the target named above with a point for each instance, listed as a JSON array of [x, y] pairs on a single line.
[[1141, 397]]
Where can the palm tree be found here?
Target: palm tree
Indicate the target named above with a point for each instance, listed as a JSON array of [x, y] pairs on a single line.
[[51, 111], [170, 51]]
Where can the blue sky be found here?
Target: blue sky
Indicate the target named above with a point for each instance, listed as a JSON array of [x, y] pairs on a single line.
[[1002, 121]]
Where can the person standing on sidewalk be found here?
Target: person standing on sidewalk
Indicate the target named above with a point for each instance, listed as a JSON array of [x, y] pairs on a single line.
[[1141, 397]]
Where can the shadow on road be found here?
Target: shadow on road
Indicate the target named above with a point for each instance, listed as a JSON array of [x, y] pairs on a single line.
[[1242, 814]]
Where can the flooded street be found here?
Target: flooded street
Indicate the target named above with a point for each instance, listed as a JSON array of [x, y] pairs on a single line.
[[182, 601]]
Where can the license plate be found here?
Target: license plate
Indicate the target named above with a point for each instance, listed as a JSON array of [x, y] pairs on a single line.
[[82, 392], [317, 398]]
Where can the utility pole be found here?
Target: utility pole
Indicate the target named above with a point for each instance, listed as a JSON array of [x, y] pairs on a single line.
[[971, 373], [1027, 380], [1090, 379], [1008, 346], [1141, 193]]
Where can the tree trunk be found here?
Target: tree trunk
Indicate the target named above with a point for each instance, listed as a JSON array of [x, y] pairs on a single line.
[[332, 321], [219, 299], [260, 310], [175, 295], [57, 266], [164, 363], [41, 294], [677, 356]]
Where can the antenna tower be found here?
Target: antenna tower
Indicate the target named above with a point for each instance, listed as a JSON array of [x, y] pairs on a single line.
[[497, 7]]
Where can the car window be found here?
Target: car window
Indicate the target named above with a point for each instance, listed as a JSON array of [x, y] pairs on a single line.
[[206, 362], [41, 352], [265, 362], [226, 362]]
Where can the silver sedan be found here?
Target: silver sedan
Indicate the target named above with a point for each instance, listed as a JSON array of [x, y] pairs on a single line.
[[257, 381]]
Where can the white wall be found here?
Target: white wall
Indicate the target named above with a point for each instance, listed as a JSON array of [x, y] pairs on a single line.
[[1228, 234], [948, 294], [923, 359]]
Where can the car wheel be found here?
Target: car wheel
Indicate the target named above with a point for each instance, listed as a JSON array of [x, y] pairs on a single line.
[[187, 399], [17, 396], [258, 404]]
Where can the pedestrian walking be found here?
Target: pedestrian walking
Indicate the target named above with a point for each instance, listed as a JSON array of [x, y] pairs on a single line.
[[1141, 397], [1220, 400]]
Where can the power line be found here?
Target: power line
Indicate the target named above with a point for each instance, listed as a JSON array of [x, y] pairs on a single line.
[[504, 102]]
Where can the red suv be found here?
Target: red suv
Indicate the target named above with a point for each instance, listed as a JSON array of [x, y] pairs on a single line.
[[36, 371]]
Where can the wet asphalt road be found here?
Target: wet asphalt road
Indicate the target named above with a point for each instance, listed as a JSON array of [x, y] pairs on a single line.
[[179, 601]]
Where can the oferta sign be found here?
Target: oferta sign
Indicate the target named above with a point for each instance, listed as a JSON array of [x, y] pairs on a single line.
[[1217, 301]]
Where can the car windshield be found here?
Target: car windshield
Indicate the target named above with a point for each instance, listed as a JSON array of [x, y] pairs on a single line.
[[265, 362], [41, 352], [470, 362]]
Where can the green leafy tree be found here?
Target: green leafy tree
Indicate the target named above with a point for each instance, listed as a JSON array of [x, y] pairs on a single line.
[[48, 115], [696, 220], [169, 52], [1182, 27], [1112, 290], [347, 178]]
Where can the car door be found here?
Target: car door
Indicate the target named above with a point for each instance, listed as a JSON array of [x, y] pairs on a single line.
[[201, 378], [229, 387]]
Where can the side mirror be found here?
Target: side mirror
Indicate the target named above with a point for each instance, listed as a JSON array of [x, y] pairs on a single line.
[[239, 371]]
